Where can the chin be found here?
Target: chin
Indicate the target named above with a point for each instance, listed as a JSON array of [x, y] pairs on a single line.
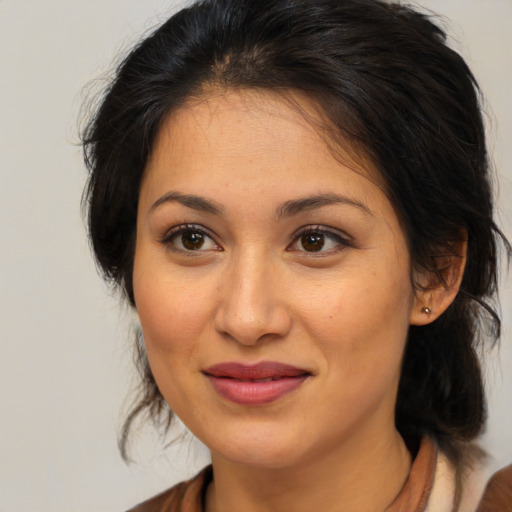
[[260, 457], [262, 448]]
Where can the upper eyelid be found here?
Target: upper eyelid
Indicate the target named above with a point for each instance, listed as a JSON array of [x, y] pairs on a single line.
[[186, 226], [318, 228]]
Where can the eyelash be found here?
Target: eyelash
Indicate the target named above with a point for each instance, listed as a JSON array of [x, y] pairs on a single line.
[[342, 241]]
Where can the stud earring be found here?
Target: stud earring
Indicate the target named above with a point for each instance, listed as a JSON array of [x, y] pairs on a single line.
[[426, 310]]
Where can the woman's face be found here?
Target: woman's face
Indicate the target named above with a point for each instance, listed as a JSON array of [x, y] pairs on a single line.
[[272, 284]]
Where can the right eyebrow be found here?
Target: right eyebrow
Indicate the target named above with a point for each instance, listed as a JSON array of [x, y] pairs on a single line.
[[313, 202], [199, 203]]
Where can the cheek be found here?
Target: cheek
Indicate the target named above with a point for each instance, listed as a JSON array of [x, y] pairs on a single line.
[[171, 311], [361, 324], [172, 325]]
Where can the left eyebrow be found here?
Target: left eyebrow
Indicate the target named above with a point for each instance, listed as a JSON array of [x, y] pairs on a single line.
[[296, 206]]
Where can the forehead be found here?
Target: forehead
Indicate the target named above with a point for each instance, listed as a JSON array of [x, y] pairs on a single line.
[[243, 117], [236, 123]]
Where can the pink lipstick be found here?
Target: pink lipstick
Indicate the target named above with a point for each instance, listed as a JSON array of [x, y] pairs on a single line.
[[257, 384]]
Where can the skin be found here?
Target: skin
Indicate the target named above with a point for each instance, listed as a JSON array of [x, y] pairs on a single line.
[[254, 291]]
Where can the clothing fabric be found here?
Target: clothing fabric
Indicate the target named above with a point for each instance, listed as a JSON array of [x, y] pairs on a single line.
[[498, 493], [430, 487]]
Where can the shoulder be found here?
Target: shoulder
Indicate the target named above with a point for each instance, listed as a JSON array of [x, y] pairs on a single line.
[[470, 488], [184, 497], [498, 492]]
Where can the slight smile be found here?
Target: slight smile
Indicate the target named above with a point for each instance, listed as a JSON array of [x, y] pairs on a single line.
[[257, 384]]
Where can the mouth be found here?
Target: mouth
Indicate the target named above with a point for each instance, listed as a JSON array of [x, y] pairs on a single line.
[[257, 384]]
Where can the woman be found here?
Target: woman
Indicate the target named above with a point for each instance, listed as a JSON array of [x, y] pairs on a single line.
[[295, 197]]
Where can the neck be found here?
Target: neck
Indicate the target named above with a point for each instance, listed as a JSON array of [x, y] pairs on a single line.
[[358, 477]]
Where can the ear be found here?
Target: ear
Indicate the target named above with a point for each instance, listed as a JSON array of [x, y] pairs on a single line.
[[436, 291]]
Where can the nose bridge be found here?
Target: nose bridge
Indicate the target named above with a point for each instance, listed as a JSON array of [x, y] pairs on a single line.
[[251, 307]]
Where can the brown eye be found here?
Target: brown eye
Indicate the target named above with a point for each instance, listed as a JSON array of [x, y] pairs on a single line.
[[312, 242], [189, 238], [192, 241], [320, 240]]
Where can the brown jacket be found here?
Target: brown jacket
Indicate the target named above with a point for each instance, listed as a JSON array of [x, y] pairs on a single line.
[[429, 488], [498, 493]]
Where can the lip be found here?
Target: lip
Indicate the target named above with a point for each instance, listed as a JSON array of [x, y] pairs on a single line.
[[256, 384]]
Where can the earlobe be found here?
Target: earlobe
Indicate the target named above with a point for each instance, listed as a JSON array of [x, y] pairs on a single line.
[[422, 315], [436, 290]]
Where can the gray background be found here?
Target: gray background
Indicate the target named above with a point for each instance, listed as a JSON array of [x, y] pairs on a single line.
[[65, 361]]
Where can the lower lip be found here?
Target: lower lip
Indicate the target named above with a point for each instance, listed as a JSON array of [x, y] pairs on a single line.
[[255, 393]]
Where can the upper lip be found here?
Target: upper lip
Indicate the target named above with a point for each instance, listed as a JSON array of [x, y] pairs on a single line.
[[263, 370]]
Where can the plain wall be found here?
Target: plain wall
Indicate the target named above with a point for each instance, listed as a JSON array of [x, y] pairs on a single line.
[[65, 354]]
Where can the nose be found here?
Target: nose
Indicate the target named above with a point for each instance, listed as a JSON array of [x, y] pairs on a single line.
[[252, 303]]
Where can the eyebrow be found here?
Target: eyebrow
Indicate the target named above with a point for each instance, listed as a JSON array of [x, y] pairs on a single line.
[[287, 209], [195, 202], [296, 206]]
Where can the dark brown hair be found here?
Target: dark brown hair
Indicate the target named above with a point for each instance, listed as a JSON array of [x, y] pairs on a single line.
[[387, 83]]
